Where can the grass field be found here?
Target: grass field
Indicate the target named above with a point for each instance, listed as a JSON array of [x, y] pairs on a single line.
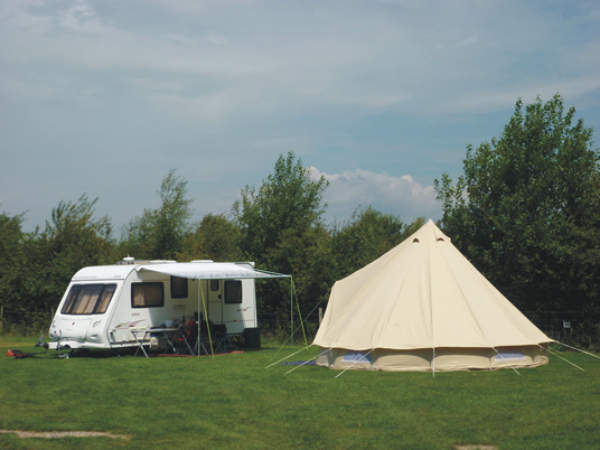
[[232, 401]]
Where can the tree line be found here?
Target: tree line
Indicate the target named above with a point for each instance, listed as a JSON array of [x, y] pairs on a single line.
[[525, 211], [278, 225]]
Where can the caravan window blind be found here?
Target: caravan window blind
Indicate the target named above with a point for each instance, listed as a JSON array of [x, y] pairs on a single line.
[[105, 298], [88, 299], [147, 295], [233, 291], [179, 287]]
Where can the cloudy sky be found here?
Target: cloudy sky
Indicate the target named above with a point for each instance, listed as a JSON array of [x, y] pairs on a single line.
[[379, 96]]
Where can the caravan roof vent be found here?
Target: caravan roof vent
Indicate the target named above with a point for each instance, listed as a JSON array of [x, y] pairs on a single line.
[[128, 260], [201, 260], [161, 261]]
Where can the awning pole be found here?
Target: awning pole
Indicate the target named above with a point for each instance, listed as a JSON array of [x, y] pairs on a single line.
[[199, 343], [291, 313], [299, 312], [212, 350]]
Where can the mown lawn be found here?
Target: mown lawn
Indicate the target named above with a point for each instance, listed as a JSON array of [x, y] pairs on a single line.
[[232, 401]]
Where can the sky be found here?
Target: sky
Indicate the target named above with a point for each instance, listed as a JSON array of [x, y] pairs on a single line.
[[380, 97]]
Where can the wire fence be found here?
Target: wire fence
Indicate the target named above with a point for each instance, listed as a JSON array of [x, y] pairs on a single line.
[[572, 327]]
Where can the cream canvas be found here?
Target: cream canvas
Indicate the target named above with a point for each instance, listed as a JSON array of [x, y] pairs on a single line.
[[424, 306]]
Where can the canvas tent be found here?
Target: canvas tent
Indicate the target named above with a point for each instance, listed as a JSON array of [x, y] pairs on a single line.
[[423, 306]]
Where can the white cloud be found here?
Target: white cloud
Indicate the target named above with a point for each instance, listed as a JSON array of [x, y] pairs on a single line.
[[236, 82], [81, 17], [471, 40], [400, 58], [398, 195]]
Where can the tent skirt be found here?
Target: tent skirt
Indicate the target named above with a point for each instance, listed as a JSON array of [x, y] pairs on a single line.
[[423, 360]]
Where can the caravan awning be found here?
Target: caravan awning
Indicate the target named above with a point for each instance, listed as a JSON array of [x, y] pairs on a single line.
[[210, 270]]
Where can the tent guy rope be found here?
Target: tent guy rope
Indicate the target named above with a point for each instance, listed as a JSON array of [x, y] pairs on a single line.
[[564, 359], [348, 368], [306, 362]]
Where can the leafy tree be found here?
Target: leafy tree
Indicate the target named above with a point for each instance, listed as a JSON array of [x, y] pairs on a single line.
[[281, 229], [159, 233], [288, 200], [216, 238], [12, 263], [312, 263], [366, 237], [527, 209], [72, 238]]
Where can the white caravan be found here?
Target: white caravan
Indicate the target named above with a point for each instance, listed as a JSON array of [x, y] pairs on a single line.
[[119, 305]]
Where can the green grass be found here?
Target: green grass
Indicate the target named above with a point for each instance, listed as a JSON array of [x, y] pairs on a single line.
[[232, 401]]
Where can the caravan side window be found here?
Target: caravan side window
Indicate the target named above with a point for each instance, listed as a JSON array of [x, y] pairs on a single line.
[[179, 287], [88, 299], [233, 291], [147, 295]]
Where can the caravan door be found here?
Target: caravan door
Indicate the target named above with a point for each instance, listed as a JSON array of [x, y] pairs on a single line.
[[225, 304], [215, 300], [233, 307]]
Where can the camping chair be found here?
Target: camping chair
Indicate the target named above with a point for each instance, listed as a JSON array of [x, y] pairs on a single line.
[[192, 335], [220, 338]]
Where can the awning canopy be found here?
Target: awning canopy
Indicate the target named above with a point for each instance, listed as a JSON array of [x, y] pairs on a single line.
[[214, 271], [211, 270]]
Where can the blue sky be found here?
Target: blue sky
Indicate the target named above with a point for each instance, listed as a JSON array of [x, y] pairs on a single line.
[[380, 96]]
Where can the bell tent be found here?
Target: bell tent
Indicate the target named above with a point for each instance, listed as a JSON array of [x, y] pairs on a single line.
[[422, 306]]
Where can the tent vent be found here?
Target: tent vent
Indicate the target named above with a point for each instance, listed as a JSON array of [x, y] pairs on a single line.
[[416, 240], [440, 239]]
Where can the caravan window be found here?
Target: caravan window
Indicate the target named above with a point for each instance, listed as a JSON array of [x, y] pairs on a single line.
[[88, 299], [146, 295], [179, 287], [233, 291], [105, 298]]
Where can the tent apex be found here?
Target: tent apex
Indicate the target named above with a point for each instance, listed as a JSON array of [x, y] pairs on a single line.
[[429, 232]]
